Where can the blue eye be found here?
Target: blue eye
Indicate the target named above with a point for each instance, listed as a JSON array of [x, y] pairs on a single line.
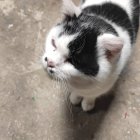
[[53, 43]]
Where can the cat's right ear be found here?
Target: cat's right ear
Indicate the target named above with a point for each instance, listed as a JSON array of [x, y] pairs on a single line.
[[70, 9], [111, 44]]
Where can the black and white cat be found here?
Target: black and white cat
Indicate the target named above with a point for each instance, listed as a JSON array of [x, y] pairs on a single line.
[[91, 46]]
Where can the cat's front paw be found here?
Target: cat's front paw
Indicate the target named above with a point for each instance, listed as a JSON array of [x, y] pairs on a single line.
[[74, 99], [87, 106]]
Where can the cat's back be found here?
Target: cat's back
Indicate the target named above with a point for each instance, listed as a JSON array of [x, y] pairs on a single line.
[[123, 16], [125, 4], [124, 13]]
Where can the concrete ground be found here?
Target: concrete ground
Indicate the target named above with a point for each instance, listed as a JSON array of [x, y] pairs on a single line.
[[33, 107]]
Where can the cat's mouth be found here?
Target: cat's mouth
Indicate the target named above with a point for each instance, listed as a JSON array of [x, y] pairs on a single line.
[[57, 74], [51, 74], [51, 71]]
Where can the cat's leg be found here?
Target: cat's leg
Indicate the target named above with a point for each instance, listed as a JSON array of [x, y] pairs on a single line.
[[75, 99], [88, 104]]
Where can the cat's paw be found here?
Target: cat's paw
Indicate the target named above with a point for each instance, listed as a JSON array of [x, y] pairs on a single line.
[[74, 99], [87, 106]]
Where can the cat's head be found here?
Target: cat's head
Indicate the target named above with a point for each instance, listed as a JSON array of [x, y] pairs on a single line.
[[81, 46]]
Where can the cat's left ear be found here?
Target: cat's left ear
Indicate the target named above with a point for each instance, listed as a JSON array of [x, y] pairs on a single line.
[[111, 44], [70, 9]]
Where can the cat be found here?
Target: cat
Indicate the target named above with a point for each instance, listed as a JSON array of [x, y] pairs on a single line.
[[91, 46]]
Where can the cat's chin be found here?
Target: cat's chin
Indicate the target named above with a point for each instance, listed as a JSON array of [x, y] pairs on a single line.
[[55, 76], [75, 81], [50, 75]]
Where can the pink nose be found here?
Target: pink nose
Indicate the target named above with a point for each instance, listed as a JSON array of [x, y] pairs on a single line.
[[50, 64]]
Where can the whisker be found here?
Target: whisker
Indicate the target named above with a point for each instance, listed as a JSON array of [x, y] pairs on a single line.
[[67, 94], [64, 87]]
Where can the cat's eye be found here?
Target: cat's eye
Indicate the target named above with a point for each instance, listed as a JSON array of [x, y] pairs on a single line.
[[53, 43]]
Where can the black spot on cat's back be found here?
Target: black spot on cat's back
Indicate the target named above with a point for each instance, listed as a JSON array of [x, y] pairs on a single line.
[[112, 13]]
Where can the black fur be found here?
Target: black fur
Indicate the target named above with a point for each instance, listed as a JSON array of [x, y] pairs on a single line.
[[89, 25], [83, 50], [113, 13], [83, 53]]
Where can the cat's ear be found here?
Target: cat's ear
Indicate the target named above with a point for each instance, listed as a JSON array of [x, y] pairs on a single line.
[[70, 9], [111, 44]]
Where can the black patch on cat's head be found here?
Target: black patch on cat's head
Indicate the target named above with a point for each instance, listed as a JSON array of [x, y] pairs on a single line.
[[83, 49], [83, 53]]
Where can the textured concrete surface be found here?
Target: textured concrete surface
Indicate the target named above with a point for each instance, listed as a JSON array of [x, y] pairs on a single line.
[[33, 107]]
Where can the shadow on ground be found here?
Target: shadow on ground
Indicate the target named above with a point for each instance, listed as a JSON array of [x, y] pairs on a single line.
[[84, 125]]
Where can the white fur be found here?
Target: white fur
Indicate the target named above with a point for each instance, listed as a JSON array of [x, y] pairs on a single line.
[[105, 77], [82, 86], [63, 70], [110, 42], [127, 47]]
